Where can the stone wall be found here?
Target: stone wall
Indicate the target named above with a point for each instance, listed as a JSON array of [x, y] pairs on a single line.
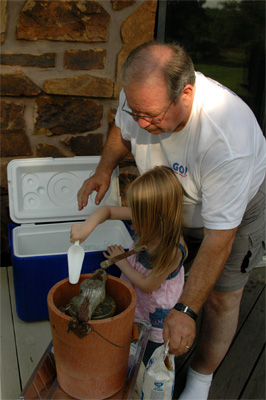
[[60, 64]]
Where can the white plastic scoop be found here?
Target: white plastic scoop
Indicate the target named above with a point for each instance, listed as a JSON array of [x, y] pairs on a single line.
[[75, 257]]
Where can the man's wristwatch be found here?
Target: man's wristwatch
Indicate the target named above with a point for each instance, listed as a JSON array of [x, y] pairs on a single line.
[[185, 309]]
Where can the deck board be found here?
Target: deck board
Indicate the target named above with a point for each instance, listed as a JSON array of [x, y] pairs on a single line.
[[253, 288], [242, 356], [32, 339], [255, 387], [10, 380]]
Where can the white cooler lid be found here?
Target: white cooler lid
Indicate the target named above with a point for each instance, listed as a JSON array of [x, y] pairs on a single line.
[[45, 189]]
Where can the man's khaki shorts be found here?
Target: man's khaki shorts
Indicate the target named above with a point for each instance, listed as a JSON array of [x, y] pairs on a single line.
[[248, 247]]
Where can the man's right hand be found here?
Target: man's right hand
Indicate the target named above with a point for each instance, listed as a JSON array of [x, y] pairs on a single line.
[[99, 182], [115, 150]]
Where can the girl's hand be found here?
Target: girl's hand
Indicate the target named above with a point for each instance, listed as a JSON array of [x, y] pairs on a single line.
[[79, 231], [113, 251]]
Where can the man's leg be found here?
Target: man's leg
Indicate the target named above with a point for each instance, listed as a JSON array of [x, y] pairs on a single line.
[[218, 327], [221, 311]]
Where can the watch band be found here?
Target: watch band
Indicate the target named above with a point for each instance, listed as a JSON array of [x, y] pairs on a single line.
[[185, 309]]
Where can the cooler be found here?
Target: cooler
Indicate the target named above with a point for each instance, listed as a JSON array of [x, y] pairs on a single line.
[[43, 205]]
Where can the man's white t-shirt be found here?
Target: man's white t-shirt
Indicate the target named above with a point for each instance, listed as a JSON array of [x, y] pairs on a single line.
[[219, 156]]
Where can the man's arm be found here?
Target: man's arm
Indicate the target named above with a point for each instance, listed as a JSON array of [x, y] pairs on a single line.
[[216, 246], [115, 149]]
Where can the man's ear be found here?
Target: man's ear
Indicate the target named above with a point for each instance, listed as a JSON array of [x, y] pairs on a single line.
[[188, 93]]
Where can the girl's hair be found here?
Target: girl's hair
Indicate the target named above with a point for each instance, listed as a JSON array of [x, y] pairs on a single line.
[[155, 199], [168, 60]]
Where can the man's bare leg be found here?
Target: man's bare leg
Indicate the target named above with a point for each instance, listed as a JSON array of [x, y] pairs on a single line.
[[218, 327]]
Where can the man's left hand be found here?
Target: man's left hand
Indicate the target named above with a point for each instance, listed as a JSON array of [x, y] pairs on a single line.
[[180, 330]]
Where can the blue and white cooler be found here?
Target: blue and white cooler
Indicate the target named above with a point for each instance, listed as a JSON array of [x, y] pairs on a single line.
[[43, 205]]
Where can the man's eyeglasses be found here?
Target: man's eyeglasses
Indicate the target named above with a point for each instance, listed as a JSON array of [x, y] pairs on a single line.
[[148, 118]]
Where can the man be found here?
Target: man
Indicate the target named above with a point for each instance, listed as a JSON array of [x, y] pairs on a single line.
[[170, 115]]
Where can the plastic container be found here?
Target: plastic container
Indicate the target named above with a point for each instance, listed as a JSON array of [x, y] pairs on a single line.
[[42, 202]]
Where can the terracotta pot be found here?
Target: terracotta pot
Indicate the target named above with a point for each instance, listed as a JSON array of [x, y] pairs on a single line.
[[92, 368]]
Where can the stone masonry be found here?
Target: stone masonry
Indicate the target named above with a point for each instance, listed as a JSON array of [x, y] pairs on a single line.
[[60, 65]]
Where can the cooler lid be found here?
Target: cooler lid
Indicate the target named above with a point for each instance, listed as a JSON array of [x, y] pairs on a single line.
[[45, 189]]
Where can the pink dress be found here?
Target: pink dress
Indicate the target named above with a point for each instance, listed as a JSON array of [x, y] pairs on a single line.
[[155, 306]]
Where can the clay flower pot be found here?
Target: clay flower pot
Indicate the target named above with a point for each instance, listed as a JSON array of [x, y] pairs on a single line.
[[92, 367]]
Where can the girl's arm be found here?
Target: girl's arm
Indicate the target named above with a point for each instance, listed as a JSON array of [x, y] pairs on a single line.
[[80, 231], [145, 283]]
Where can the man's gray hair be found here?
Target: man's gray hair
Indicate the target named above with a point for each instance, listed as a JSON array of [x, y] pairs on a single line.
[[173, 63]]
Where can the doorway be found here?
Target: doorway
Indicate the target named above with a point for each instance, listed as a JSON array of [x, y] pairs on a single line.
[[226, 41]]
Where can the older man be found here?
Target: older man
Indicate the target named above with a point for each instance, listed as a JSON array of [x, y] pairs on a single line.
[[170, 115]]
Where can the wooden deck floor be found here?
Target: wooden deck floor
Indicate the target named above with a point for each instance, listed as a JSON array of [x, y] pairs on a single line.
[[240, 376]]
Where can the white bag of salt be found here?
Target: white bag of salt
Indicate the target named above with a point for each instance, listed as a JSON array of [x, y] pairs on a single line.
[[159, 375]]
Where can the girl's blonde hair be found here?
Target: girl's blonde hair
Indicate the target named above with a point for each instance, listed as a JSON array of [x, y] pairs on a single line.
[[155, 199]]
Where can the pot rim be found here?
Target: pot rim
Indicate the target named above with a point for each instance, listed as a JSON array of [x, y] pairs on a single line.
[[99, 321]]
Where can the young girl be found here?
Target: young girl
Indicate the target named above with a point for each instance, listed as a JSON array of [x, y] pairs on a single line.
[[157, 275]]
